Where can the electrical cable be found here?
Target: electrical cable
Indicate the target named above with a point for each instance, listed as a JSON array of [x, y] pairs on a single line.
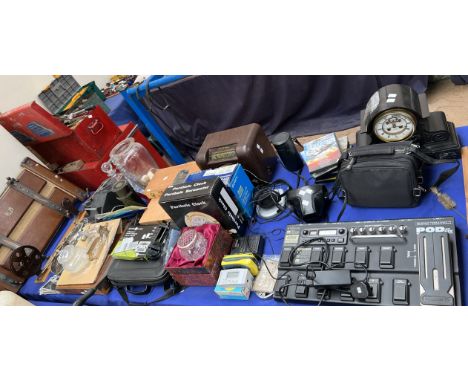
[[256, 177], [304, 243], [323, 296], [323, 264], [267, 191], [298, 175]]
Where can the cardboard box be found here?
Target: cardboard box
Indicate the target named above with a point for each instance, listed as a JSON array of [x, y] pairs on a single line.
[[154, 214], [203, 271], [164, 178], [200, 202], [234, 284], [236, 180]]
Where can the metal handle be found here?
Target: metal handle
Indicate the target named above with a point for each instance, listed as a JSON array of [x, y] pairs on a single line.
[[9, 243], [93, 125]]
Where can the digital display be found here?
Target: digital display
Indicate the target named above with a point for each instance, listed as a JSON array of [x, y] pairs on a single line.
[[222, 153], [327, 232]]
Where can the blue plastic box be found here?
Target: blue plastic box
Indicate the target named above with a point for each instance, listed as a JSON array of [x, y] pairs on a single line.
[[235, 178]]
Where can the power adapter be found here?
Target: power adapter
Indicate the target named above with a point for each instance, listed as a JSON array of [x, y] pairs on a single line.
[[331, 278], [254, 244]]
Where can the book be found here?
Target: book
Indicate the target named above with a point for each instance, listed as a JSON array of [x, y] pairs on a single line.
[[322, 154]]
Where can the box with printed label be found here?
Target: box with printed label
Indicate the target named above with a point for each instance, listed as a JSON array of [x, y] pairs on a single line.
[[234, 284], [236, 180], [202, 202], [141, 242]]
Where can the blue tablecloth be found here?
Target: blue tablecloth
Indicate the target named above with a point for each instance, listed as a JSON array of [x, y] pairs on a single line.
[[429, 207]]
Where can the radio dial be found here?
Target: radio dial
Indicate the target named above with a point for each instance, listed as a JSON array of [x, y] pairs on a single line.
[[352, 231], [372, 230], [402, 229], [392, 229], [381, 230], [362, 231]]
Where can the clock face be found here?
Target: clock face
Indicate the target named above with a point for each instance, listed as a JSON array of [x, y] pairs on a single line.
[[394, 125]]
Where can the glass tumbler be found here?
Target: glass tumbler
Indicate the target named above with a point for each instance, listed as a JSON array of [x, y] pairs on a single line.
[[192, 245]]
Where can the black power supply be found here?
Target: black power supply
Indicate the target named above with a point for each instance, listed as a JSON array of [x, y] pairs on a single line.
[[254, 244], [331, 278]]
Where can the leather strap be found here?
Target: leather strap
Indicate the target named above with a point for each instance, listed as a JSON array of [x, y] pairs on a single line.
[[445, 175], [171, 288], [147, 289]]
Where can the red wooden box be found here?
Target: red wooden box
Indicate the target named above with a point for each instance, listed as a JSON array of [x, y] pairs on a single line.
[[204, 271]]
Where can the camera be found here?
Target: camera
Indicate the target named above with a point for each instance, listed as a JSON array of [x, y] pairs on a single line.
[[397, 113]]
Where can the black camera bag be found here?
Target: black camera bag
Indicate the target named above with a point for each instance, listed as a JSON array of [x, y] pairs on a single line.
[[138, 277], [385, 175]]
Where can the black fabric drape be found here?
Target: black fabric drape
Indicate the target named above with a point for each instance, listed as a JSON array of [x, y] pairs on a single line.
[[302, 105]]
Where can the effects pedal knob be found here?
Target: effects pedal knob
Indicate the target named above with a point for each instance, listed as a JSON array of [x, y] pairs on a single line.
[[403, 229], [372, 230], [362, 231], [392, 229], [381, 229]]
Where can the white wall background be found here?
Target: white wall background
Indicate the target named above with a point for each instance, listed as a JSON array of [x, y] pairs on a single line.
[[16, 91]]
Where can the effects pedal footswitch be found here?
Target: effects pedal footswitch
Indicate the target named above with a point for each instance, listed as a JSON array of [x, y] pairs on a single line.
[[384, 262]]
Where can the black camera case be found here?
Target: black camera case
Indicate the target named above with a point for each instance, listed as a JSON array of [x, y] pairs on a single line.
[[386, 175], [383, 175]]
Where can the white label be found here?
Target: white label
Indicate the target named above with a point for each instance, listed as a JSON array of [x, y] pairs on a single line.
[[125, 245], [142, 246], [220, 170], [305, 203], [291, 239], [391, 98], [229, 201]]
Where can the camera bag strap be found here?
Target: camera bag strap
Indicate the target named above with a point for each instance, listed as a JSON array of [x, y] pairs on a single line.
[[171, 288]]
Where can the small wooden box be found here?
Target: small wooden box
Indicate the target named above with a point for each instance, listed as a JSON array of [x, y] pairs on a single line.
[[204, 271]]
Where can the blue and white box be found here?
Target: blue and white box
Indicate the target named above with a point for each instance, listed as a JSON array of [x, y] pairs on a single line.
[[234, 284], [235, 178]]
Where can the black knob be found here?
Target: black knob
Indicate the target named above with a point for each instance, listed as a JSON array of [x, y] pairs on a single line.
[[305, 232], [371, 230], [341, 231], [402, 229], [362, 231]]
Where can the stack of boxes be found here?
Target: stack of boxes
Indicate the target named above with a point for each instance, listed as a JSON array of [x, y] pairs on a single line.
[[206, 199]]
